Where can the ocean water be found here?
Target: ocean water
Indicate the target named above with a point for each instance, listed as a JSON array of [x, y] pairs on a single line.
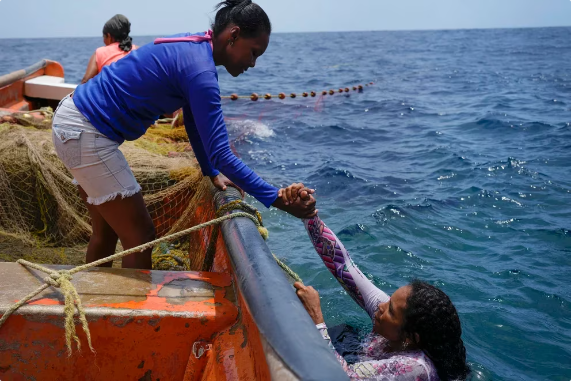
[[454, 167]]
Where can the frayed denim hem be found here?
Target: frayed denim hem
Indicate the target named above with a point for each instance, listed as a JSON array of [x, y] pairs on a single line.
[[112, 196]]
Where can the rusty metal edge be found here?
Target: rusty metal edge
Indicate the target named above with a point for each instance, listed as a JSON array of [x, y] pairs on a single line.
[[9, 78], [94, 313]]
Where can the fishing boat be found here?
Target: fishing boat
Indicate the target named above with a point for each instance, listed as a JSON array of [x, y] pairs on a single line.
[[237, 318]]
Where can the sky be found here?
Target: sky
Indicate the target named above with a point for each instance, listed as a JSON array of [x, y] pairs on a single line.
[[82, 18]]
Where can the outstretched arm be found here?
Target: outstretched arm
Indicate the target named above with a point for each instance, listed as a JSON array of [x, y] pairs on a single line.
[[338, 261], [204, 100]]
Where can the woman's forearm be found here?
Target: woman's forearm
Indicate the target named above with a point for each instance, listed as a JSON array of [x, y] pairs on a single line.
[[338, 261]]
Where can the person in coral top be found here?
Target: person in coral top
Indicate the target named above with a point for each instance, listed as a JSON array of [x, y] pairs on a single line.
[[117, 42]]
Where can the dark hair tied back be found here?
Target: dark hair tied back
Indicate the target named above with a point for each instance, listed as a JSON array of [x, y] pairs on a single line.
[[119, 28], [245, 14]]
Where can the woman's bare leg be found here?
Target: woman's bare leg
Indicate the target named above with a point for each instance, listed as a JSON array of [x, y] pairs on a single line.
[[130, 219], [103, 240]]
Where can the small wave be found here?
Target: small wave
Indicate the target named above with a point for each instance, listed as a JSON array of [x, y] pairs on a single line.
[[561, 232], [537, 126], [487, 123], [244, 128], [355, 230], [446, 177], [511, 200], [409, 256], [331, 172], [261, 155], [388, 212], [493, 194], [511, 273], [557, 298], [509, 165], [514, 163], [506, 221]]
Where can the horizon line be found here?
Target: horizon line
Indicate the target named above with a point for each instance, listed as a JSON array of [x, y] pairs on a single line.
[[351, 31]]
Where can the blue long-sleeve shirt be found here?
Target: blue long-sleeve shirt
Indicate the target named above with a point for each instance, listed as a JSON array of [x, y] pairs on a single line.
[[128, 96]]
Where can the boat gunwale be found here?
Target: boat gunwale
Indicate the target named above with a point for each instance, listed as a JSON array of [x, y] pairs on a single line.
[[275, 308]]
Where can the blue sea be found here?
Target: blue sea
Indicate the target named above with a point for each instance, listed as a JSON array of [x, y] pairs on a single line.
[[454, 167]]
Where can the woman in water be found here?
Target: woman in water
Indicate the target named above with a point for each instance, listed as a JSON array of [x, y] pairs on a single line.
[[117, 44], [126, 98], [416, 332]]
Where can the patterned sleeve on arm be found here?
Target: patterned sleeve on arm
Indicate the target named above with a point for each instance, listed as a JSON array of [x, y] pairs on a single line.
[[338, 261]]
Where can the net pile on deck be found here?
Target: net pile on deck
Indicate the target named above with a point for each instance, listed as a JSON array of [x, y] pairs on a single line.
[[43, 219]]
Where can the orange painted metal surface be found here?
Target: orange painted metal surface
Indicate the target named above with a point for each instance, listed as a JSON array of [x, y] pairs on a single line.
[[233, 354], [12, 95], [137, 334], [54, 68], [239, 351]]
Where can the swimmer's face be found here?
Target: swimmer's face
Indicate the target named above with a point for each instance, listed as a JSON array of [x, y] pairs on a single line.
[[244, 51], [389, 317]]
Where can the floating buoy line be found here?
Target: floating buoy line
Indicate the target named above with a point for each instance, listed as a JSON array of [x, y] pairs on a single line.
[[282, 96]]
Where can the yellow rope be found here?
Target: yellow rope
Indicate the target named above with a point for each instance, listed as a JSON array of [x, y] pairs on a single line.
[[62, 279], [287, 270], [47, 111], [239, 204], [228, 207]]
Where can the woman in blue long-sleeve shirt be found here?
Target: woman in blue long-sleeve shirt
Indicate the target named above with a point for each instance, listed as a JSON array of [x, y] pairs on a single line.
[[129, 95]]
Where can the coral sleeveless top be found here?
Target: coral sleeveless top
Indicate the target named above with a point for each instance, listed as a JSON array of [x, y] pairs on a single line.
[[109, 54]]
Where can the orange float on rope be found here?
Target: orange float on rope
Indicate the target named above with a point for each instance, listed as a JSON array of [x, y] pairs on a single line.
[[282, 95]]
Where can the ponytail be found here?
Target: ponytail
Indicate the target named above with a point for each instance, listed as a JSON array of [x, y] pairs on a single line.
[[126, 44]]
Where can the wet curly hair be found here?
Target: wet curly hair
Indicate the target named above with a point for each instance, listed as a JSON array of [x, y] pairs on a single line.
[[431, 314]]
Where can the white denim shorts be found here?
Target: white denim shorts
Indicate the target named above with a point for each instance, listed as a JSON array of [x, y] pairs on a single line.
[[94, 160]]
